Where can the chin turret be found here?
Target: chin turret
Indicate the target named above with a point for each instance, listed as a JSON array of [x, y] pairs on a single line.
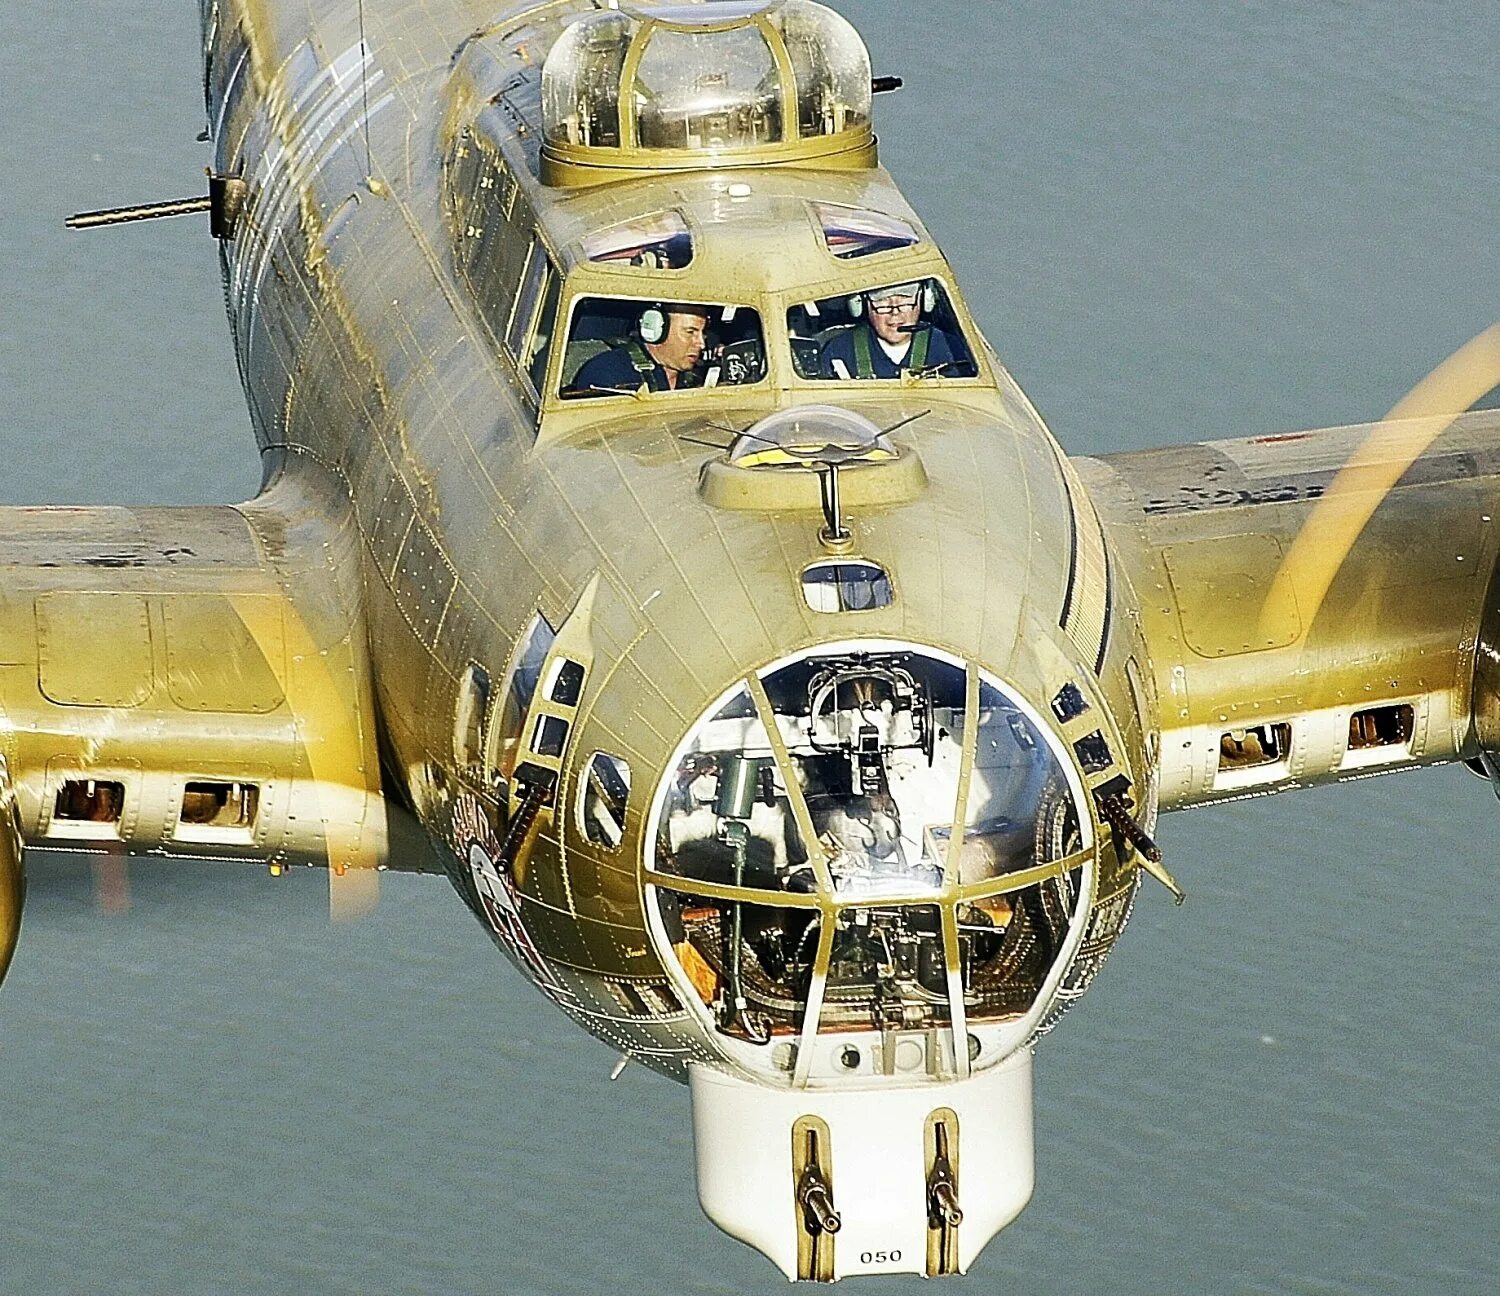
[[885, 1179]]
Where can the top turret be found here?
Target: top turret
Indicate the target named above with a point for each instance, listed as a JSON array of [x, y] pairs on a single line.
[[713, 84]]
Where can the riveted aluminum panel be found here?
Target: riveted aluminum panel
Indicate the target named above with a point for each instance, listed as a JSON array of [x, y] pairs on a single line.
[[1232, 595], [215, 663], [94, 649]]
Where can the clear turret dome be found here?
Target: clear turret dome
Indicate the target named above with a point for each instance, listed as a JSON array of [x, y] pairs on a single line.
[[712, 84]]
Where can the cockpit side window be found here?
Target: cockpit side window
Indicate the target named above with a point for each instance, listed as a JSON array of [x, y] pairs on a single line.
[[539, 349], [506, 266], [618, 345], [533, 316], [888, 331], [523, 306]]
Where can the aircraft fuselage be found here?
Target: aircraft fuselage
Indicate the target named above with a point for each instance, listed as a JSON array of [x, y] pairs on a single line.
[[562, 594]]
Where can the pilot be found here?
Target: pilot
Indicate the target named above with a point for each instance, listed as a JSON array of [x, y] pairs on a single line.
[[892, 337], [664, 354]]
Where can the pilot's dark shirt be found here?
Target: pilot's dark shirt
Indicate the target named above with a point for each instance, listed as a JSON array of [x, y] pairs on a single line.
[[624, 369], [940, 351]]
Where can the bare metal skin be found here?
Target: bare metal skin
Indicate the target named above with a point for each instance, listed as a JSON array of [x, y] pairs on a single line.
[[272, 681]]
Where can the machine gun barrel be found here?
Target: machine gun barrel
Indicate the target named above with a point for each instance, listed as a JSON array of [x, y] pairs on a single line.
[[224, 201], [1117, 814], [817, 1201], [139, 212], [944, 1202]]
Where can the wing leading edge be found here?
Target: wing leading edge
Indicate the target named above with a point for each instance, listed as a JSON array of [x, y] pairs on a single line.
[[188, 682], [1307, 621]]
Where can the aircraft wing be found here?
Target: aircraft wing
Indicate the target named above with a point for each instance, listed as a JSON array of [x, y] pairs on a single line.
[[1316, 606], [188, 682]]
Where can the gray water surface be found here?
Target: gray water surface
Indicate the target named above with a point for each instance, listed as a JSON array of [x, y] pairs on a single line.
[[1175, 221]]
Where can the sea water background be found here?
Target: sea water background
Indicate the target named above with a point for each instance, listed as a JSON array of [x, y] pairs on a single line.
[[1175, 221]]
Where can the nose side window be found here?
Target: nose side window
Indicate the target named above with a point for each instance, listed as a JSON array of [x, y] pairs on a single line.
[[515, 701], [603, 795], [846, 587]]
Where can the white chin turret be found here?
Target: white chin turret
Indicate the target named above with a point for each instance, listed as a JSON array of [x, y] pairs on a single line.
[[890, 1180]]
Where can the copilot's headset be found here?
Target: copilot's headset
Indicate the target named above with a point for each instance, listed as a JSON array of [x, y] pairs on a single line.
[[924, 292]]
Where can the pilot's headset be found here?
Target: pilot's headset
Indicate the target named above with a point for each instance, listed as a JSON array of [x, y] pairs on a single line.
[[652, 325], [925, 293]]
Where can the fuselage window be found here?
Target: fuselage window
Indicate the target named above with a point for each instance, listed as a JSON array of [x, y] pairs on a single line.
[[527, 296], [618, 346], [602, 800], [469, 714], [550, 736], [528, 334], [539, 349], [850, 232], [1384, 726], [1093, 752], [505, 265], [1254, 746], [888, 331], [90, 801], [525, 674], [566, 685], [661, 241], [219, 805], [846, 587]]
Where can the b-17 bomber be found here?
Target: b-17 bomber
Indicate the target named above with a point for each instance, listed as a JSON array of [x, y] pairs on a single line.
[[645, 515]]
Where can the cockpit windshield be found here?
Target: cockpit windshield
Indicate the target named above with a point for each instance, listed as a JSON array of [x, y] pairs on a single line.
[[618, 346], [891, 330]]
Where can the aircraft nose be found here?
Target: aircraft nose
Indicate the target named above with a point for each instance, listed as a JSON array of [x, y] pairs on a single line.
[[864, 862]]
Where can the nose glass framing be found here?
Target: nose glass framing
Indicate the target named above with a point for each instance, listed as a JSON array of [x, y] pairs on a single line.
[[875, 846]]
